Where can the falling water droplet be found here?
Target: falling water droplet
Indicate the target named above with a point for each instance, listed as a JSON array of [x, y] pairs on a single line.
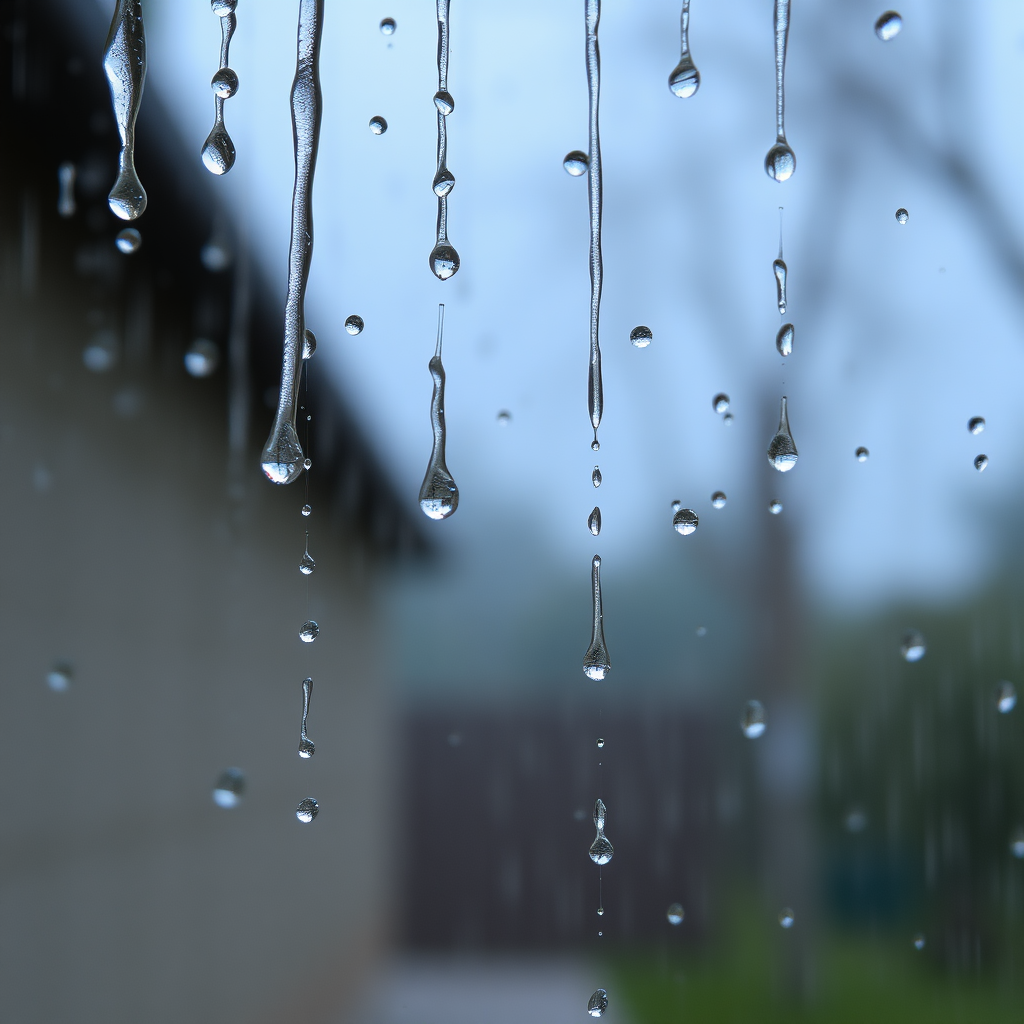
[[675, 913], [595, 477], [306, 563], [976, 424], [439, 496], [308, 344], [720, 403], [598, 1003], [388, 26], [902, 216], [444, 260], [594, 521], [981, 463], [1006, 697], [753, 721], [576, 163], [601, 851], [224, 83], [66, 197], [781, 272], [124, 62], [595, 196], [504, 417], [306, 746], [784, 340], [378, 125], [595, 445], [128, 240], [307, 810], [600, 913], [684, 80], [202, 358], [596, 664], [888, 26], [59, 677], [218, 151], [775, 506], [229, 788], [307, 463], [718, 499], [780, 163], [782, 453], [641, 336], [685, 521], [862, 454], [918, 941], [676, 505], [912, 647], [1017, 843], [786, 918], [306, 509], [354, 324], [309, 632], [600, 741]]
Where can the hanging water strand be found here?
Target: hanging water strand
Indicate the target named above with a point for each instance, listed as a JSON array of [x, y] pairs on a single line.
[[595, 388], [219, 150], [306, 746], [780, 163], [444, 260], [782, 453], [685, 78], [282, 458], [595, 662], [439, 496], [124, 62]]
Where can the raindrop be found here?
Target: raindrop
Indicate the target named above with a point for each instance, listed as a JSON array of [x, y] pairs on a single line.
[[124, 61], [684, 80], [675, 913], [856, 820], [641, 336], [128, 240], [786, 917], [594, 521], [601, 850], [685, 521], [598, 1003], [444, 260], [980, 463], [595, 662], [912, 647], [229, 788], [576, 163], [720, 403], [782, 453], [718, 499], [388, 26], [306, 746], [504, 417], [862, 454], [1006, 697], [378, 125], [784, 340], [780, 163], [902, 216], [600, 913], [1017, 843], [595, 445], [66, 196], [58, 678], [354, 324], [306, 509], [595, 477], [781, 272], [595, 195], [224, 83], [976, 424], [439, 496], [202, 358], [307, 463], [101, 353], [309, 632], [775, 506], [753, 721], [306, 564], [308, 344], [307, 810], [888, 26], [600, 741], [918, 941]]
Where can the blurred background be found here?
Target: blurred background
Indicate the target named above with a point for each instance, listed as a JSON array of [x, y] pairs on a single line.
[[862, 858]]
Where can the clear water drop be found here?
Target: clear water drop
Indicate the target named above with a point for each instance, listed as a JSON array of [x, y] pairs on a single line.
[[675, 914], [128, 240], [594, 521], [1017, 843], [598, 1003], [1006, 697], [782, 453], [354, 324], [443, 183], [786, 917], [888, 26], [306, 746], [595, 445], [600, 742], [981, 463], [753, 722], [388, 26], [308, 344], [576, 163], [718, 499], [218, 151], [504, 417], [307, 810], [439, 495], [596, 664], [918, 941], [912, 646], [641, 337], [784, 340], [59, 677], [202, 358], [781, 272], [378, 125], [306, 563], [124, 61], [307, 463], [309, 632], [976, 424], [676, 505], [684, 79], [685, 521], [595, 477], [224, 83], [229, 789], [775, 506], [862, 454], [444, 261], [780, 163], [306, 510], [444, 102], [601, 851], [902, 216], [720, 403]]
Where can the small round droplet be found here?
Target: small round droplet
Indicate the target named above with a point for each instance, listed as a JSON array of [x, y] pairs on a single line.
[[595, 477], [306, 564], [976, 424], [902, 216], [58, 678], [702, 631], [720, 403], [444, 261], [600, 913], [918, 941], [229, 788], [595, 445], [378, 125], [675, 914], [888, 26], [1017, 843], [912, 647], [598, 1003], [388, 26], [307, 463], [676, 505], [594, 521], [309, 632], [1006, 697], [980, 463], [224, 83], [685, 521], [306, 509], [307, 810], [784, 340], [718, 499], [862, 454], [128, 240], [786, 918], [576, 163], [308, 344], [444, 102], [600, 741], [775, 506], [753, 722], [354, 324], [641, 337], [685, 79], [202, 358], [856, 820], [780, 163]]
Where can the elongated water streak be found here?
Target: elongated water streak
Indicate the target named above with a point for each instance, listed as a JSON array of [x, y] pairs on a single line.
[[444, 260], [306, 745], [685, 78], [780, 163], [124, 62], [595, 387], [596, 664], [439, 496], [219, 150], [282, 459]]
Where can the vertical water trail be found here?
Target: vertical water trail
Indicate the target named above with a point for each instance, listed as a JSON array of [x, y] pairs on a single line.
[[124, 61], [66, 197], [685, 78], [439, 496], [219, 150], [595, 387], [595, 662], [444, 260], [282, 458], [780, 163], [306, 745]]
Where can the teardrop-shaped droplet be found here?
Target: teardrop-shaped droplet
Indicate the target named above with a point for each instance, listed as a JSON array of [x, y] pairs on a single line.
[[308, 344], [780, 271], [1006, 697], [598, 1003], [224, 83], [888, 26], [218, 151], [576, 163], [675, 914], [309, 632], [444, 102], [641, 337], [784, 340], [786, 918], [444, 182], [388, 26], [862, 454], [775, 506], [594, 521], [306, 564], [439, 496], [782, 453], [354, 324], [596, 664], [307, 463], [902, 216], [976, 424], [595, 477], [378, 125], [128, 240], [601, 850], [306, 510], [306, 746], [307, 810], [229, 788], [981, 463], [913, 647], [718, 499], [753, 722], [780, 163], [720, 403], [444, 261], [685, 521], [685, 78]]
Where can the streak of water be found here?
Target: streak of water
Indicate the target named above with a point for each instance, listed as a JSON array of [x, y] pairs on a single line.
[[601, 850], [124, 62], [594, 521], [780, 163], [306, 746], [780, 270], [685, 78], [444, 260], [218, 150], [784, 340], [595, 386], [596, 665], [782, 453], [282, 458], [439, 496]]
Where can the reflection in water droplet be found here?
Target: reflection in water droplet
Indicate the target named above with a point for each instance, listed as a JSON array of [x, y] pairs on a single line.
[[202, 358], [378, 125], [388, 26], [888, 26], [307, 810], [59, 677], [229, 788], [354, 324], [596, 664], [224, 83], [595, 445], [902, 216], [641, 336], [595, 477], [124, 61], [753, 721], [307, 463], [980, 463], [781, 272], [576, 163], [684, 80], [600, 913], [786, 917], [309, 632], [308, 344], [976, 424], [218, 151], [444, 260], [128, 240], [504, 417], [862, 454], [598, 1003], [912, 647], [718, 499], [439, 496], [594, 521], [306, 746], [1017, 843], [720, 403], [601, 851], [782, 453], [675, 913], [784, 340], [306, 563], [306, 509], [1006, 697], [918, 941], [775, 506], [600, 741], [685, 521]]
